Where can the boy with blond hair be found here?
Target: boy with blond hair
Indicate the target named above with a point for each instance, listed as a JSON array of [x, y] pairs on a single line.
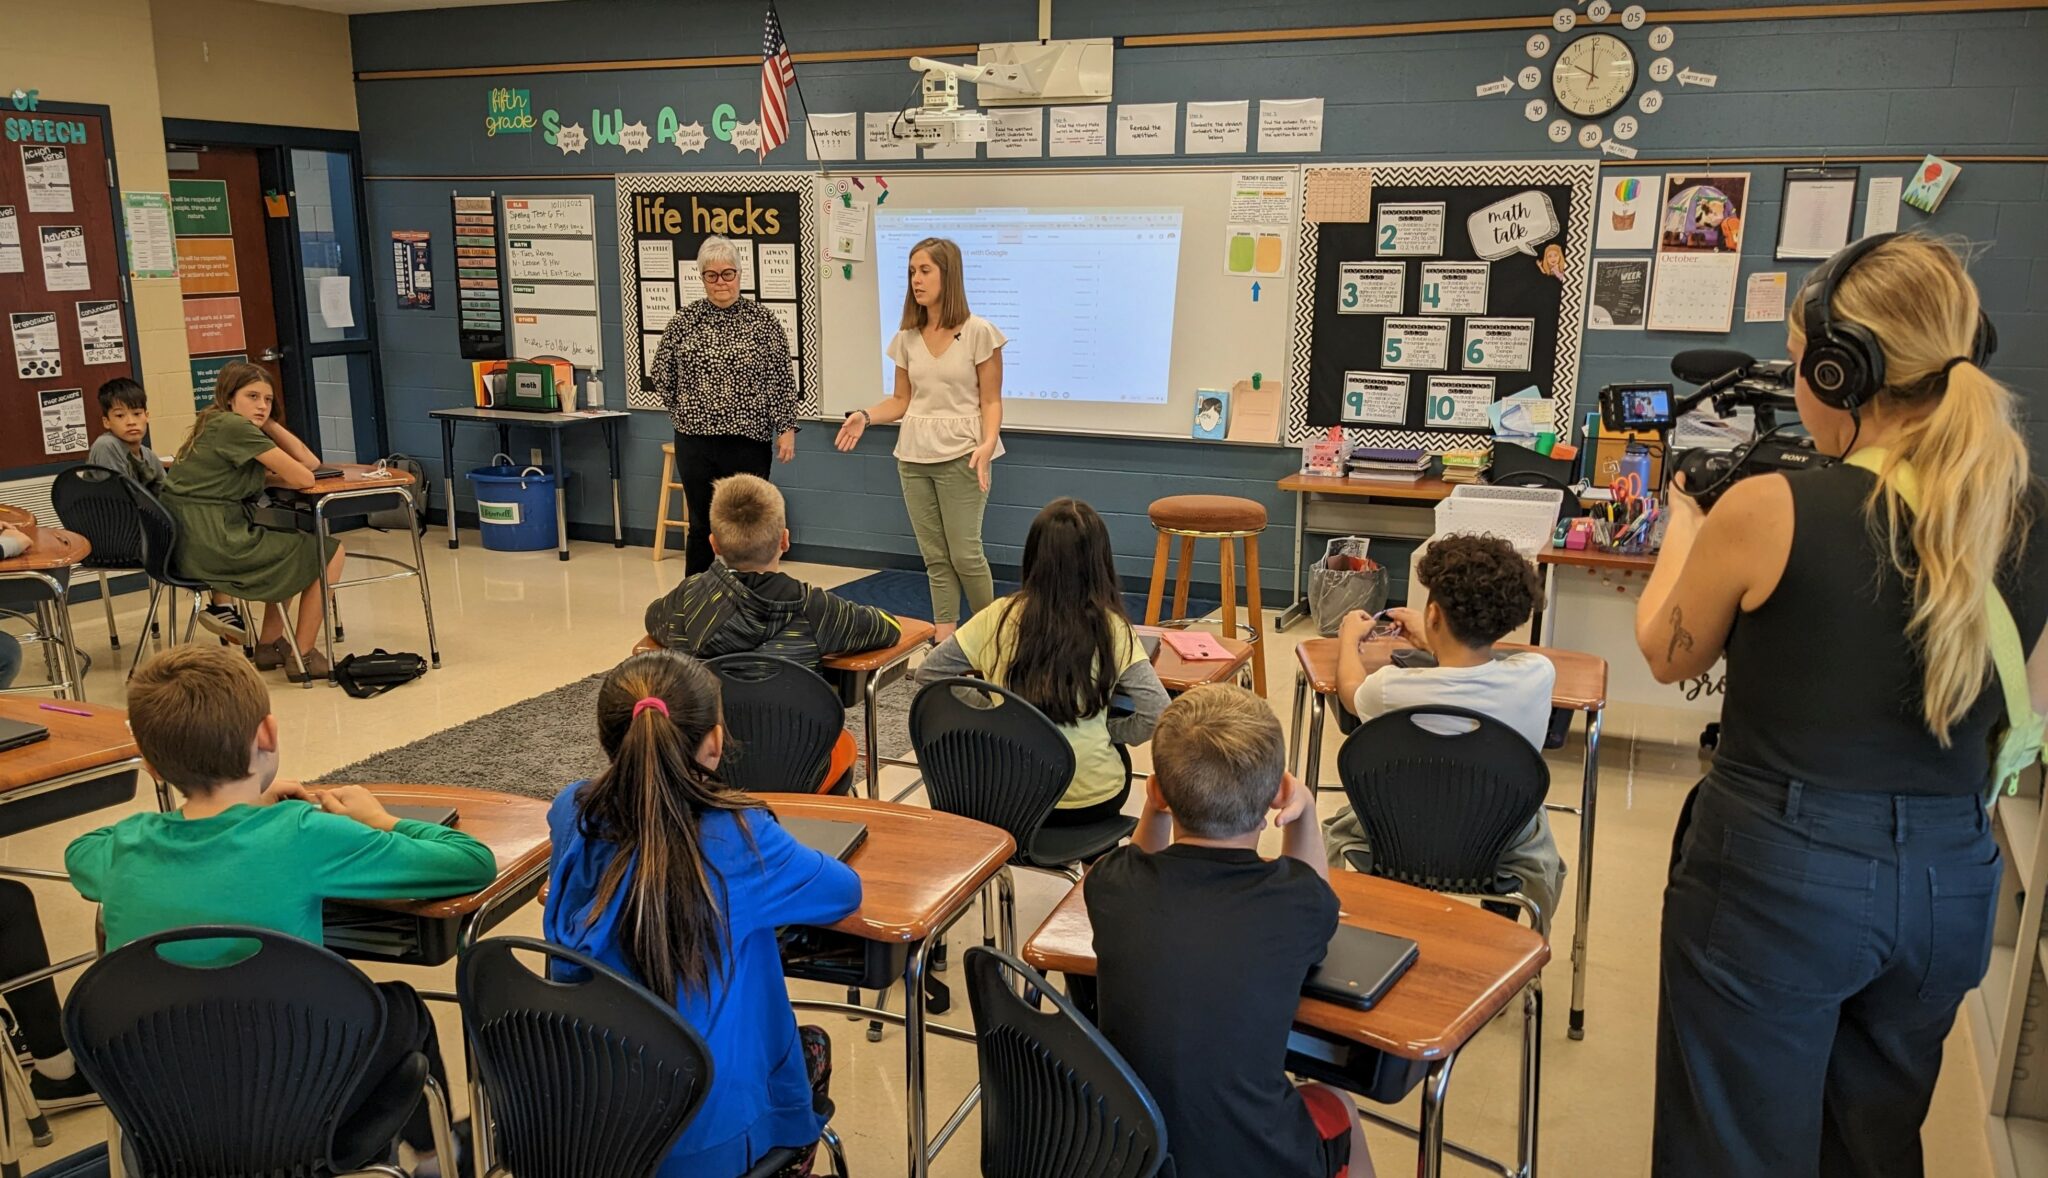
[[1203, 945], [247, 848]]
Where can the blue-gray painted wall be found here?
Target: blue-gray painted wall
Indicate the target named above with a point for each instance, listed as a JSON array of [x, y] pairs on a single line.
[[1959, 84]]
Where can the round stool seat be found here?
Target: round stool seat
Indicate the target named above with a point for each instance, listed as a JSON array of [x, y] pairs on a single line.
[[1207, 513]]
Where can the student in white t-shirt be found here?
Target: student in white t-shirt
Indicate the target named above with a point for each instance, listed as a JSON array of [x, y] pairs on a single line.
[[949, 397], [1480, 589]]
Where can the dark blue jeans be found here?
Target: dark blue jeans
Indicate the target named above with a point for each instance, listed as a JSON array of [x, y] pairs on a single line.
[[1816, 945]]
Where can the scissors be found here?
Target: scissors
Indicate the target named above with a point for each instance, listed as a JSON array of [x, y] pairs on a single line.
[[1627, 490]]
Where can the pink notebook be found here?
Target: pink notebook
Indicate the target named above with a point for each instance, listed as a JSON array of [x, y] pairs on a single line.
[[1195, 646]]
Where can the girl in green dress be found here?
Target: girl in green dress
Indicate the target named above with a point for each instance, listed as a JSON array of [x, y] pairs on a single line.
[[235, 449]]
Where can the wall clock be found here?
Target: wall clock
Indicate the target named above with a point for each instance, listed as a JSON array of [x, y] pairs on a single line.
[[1594, 75]]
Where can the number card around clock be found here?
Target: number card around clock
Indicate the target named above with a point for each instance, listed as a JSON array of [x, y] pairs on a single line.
[[1414, 367]]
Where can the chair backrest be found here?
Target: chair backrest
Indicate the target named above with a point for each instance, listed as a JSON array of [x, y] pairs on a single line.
[[160, 538], [989, 755], [785, 718], [99, 504], [588, 1075], [1057, 1101], [225, 1071], [1440, 807]]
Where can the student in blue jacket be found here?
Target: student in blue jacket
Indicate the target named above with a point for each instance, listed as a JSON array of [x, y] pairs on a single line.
[[664, 873]]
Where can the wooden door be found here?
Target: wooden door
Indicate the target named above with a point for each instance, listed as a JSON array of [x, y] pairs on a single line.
[[224, 269]]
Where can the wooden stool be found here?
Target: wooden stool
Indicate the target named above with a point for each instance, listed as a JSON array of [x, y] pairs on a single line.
[[662, 522], [1222, 518]]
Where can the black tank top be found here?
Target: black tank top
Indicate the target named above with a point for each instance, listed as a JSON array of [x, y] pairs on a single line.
[[1824, 686]]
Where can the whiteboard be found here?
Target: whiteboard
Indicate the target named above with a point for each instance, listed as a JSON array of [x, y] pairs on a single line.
[[1220, 335], [572, 337], [551, 260], [561, 216]]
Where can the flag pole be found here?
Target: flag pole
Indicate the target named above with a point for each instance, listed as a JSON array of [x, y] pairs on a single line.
[[797, 77]]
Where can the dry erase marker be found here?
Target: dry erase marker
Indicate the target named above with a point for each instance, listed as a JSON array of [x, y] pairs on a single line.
[[66, 711]]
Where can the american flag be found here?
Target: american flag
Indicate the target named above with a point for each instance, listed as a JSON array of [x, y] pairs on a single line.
[[777, 72]]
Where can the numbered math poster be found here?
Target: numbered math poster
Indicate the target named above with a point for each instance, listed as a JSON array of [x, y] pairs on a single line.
[[773, 221], [1467, 280]]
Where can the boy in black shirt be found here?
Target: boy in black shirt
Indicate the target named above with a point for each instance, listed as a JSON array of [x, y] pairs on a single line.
[[1202, 947]]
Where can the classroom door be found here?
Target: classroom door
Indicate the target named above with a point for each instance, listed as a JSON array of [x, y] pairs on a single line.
[[224, 234]]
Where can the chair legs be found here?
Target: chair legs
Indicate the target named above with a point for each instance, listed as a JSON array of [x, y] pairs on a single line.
[[836, 1150], [107, 602]]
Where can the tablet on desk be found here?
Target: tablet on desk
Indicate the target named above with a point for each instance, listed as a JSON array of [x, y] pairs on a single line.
[[431, 815], [1360, 967], [837, 839], [326, 472], [16, 733]]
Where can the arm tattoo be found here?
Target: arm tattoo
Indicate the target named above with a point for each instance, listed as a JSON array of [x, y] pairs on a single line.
[[1681, 638]]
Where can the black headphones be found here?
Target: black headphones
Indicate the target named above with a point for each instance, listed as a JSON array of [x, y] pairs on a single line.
[[1844, 362]]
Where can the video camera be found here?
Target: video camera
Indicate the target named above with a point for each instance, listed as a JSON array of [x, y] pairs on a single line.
[[1730, 380]]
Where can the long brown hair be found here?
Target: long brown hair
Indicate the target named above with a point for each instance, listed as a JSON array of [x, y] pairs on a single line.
[[1965, 446], [1067, 660], [647, 804], [952, 296], [232, 378]]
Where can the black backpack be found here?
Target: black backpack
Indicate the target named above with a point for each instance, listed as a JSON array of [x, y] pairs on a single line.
[[372, 674]]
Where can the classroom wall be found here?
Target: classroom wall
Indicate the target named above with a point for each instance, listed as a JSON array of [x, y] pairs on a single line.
[[103, 52], [241, 61], [1960, 83]]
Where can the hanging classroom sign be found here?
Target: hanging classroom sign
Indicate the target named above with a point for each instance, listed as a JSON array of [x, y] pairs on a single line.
[[412, 266], [199, 208], [482, 322], [772, 220]]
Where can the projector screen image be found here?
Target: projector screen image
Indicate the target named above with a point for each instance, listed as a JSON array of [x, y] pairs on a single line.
[[1084, 295]]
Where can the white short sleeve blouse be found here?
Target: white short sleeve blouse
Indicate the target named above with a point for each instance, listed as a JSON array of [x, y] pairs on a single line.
[[944, 419]]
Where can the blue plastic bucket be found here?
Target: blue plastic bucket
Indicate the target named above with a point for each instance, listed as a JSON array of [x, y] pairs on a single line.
[[515, 507]]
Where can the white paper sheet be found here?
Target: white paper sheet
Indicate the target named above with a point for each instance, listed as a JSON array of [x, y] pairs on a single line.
[[1145, 128], [1217, 128], [778, 271], [877, 143], [1881, 206], [1291, 124], [831, 137], [335, 310], [64, 264], [1816, 217], [10, 241], [63, 413], [37, 354], [1763, 299], [1080, 130], [100, 336], [848, 234], [1016, 133], [47, 171]]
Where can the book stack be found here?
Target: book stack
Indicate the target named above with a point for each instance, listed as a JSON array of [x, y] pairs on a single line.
[[1464, 466], [1387, 466]]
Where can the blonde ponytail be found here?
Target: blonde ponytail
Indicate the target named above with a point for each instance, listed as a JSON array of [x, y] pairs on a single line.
[[1966, 449]]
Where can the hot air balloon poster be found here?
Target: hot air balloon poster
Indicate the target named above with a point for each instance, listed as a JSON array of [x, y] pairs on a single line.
[[1928, 185], [1628, 213]]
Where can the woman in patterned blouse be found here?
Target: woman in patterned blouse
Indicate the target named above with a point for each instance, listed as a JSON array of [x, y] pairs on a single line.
[[724, 375]]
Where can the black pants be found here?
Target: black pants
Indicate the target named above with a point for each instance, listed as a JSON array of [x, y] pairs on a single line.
[[23, 950], [701, 460], [408, 1027], [1816, 946]]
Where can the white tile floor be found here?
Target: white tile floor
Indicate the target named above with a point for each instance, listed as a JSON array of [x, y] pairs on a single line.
[[513, 625]]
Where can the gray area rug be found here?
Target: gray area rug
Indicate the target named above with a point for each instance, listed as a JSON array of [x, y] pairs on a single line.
[[537, 746]]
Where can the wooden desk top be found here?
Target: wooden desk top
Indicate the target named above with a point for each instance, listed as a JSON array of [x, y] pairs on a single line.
[[1581, 677], [916, 868], [20, 517], [1472, 963], [51, 548], [1588, 558], [355, 476], [1177, 674], [76, 743], [515, 828], [916, 633], [1428, 488]]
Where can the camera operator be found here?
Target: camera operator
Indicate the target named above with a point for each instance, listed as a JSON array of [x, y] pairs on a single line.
[[1832, 895]]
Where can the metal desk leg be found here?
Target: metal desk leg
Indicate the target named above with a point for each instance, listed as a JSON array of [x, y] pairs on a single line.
[[1297, 608], [1429, 1138], [1300, 703], [448, 476], [870, 686], [1532, 1074], [1312, 757], [1590, 793], [614, 458], [326, 592], [561, 496], [419, 568], [913, 1055]]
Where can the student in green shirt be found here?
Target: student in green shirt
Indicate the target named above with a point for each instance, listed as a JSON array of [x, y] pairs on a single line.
[[249, 849]]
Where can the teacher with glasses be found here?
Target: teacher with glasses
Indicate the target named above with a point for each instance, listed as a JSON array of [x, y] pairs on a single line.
[[724, 375]]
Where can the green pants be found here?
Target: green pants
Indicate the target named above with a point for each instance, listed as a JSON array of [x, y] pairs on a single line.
[[946, 502]]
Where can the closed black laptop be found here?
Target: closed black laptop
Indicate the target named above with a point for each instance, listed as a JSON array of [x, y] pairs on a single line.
[[16, 733], [1360, 967], [837, 839]]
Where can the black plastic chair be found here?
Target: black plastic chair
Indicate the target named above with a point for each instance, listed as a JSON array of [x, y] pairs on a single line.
[[586, 1078], [1439, 809], [989, 755], [99, 504], [1057, 1101], [240, 1070], [785, 718], [160, 538]]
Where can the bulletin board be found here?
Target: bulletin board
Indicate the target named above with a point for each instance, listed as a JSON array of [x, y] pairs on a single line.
[[53, 367], [772, 220], [1401, 361]]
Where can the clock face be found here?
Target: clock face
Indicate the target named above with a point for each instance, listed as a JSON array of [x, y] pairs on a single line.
[[1593, 75]]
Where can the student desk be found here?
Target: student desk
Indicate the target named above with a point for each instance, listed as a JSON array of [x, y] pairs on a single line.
[[1338, 505], [1581, 687], [356, 492], [607, 420], [19, 517], [1178, 675], [919, 869], [50, 551], [1471, 965], [871, 671]]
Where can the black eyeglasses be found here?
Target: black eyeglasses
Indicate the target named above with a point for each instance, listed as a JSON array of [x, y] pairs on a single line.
[[720, 275]]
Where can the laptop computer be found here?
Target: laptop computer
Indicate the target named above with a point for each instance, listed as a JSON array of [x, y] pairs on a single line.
[[837, 839], [1359, 968], [16, 733], [431, 815]]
